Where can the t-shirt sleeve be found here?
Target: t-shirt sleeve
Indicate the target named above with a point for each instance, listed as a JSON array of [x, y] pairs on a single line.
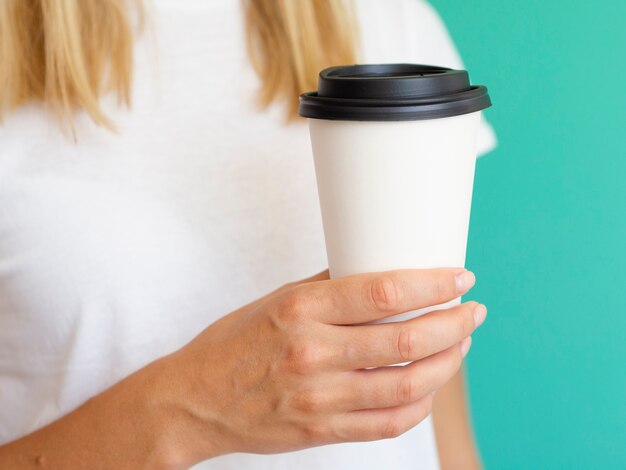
[[434, 45]]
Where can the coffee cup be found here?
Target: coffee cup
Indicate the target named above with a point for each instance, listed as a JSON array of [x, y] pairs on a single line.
[[394, 148]]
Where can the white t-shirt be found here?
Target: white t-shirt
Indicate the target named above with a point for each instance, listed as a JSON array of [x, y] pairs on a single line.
[[119, 248]]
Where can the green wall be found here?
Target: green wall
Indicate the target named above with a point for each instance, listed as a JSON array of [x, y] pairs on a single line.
[[548, 234]]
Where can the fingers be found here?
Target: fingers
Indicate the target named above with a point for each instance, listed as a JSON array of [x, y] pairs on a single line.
[[383, 387], [361, 346], [384, 423], [392, 386], [367, 297]]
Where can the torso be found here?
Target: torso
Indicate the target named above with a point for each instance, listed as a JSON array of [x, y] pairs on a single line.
[[121, 247]]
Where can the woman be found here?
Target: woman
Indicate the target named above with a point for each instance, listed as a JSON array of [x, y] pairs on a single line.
[[127, 235]]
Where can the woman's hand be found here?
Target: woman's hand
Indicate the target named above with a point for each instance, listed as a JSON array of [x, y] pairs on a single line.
[[290, 370]]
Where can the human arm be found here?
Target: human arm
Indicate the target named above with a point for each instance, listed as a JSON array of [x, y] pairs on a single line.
[[453, 431], [125, 427], [288, 371]]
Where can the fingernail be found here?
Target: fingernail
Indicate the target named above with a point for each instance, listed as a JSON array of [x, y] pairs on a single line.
[[464, 281], [465, 346], [480, 313]]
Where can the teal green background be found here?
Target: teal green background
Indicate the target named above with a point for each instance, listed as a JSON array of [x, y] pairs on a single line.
[[548, 233]]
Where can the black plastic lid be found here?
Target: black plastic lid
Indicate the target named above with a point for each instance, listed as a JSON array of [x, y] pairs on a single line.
[[392, 92]]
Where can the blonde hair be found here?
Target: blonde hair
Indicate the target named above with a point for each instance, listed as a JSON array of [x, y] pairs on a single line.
[[67, 53], [290, 41]]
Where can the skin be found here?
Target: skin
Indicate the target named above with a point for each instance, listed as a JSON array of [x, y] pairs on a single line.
[[286, 372], [455, 440]]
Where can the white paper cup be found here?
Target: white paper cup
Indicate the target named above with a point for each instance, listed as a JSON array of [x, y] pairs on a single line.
[[395, 193]]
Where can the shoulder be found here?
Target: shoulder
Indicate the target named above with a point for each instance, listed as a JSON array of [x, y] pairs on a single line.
[[432, 38], [411, 31], [416, 11], [405, 30], [422, 10]]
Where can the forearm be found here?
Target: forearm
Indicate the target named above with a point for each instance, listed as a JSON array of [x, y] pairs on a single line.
[[455, 439], [124, 427]]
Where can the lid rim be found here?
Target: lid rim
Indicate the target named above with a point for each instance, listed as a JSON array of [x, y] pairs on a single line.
[[395, 113], [477, 90], [392, 92]]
